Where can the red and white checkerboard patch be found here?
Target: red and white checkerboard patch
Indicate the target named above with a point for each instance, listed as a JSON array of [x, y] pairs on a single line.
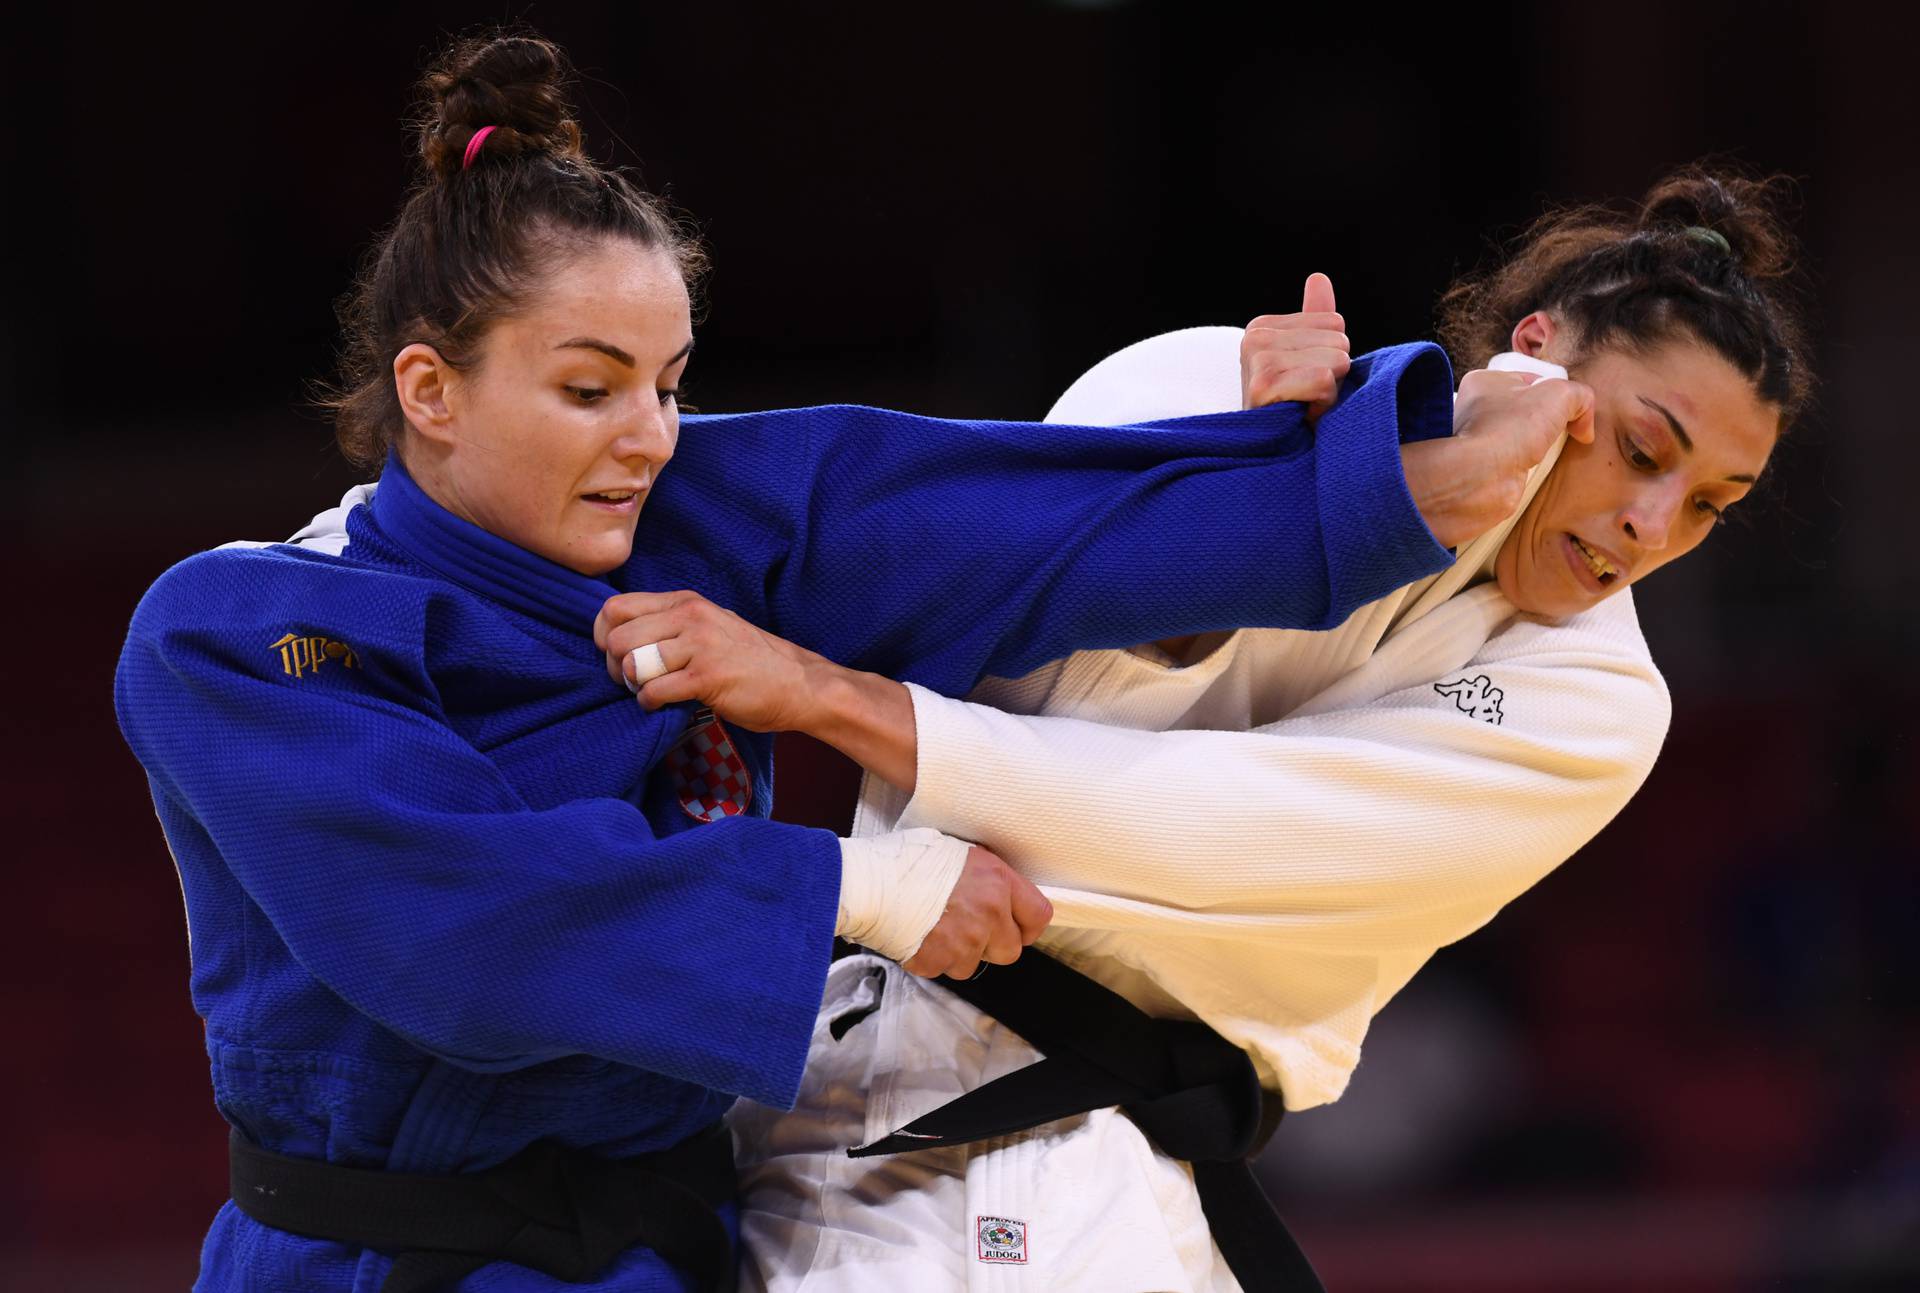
[[707, 772]]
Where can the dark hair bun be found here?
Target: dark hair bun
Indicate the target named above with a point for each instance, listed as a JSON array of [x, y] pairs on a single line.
[[1706, 254], [1746, 212], [468, 248], [516, 84]]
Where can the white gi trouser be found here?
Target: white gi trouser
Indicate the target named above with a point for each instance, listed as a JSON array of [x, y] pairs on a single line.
[[1084, 1203]]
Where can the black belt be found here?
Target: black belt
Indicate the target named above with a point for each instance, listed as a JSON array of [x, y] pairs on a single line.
[[564, 1212], [1188, 1088]]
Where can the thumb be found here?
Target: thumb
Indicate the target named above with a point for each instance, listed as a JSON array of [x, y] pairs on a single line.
[[1318, 298], [1031, 910], [1580, 412]]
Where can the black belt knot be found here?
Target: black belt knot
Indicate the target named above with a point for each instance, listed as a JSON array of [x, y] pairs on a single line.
[[565, 1212], [1210, 1110], [1195, 1095]]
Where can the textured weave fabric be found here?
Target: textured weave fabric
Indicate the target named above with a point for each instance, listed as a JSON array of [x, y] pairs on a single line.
[[1333, 807], [1330, 808], [1048, 535], [439, 908]]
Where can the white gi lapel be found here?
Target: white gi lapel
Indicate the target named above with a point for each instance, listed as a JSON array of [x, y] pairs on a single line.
[[1439, 642]]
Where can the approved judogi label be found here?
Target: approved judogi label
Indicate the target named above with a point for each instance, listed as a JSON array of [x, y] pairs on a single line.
[[1001, 1239]]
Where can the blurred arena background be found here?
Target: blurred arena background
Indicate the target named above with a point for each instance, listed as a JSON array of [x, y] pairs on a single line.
[[1687, 1061]]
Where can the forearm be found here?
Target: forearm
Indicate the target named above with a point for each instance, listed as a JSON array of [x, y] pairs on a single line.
[[1321, 839], [1453, 484], [1057, 538], [1400, 822], [866, 717]]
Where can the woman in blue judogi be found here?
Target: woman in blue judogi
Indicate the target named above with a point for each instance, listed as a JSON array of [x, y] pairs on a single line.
[[480, 967]]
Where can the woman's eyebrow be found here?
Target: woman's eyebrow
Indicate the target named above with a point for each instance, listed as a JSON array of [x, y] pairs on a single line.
[[1680, 432], [606, 348], [1686, 441], [614, 352]]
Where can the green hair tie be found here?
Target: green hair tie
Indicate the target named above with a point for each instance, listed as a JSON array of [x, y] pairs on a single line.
[[1712, 237]]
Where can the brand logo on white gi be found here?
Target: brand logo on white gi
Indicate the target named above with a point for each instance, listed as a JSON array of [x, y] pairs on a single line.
[[1002, 1239], [1475, 697]]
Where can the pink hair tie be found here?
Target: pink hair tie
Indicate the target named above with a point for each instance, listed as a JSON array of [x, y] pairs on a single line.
[[473, 145]]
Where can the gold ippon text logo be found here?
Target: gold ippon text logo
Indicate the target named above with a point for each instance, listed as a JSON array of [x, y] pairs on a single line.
[[302, 654]]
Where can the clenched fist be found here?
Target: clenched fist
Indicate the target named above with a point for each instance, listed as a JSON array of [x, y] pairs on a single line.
[[746, 674], [991, 914], [1503, 425]]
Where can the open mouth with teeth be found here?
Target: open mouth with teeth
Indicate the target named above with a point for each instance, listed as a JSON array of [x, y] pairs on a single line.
[[613, 497], [1602, 568]]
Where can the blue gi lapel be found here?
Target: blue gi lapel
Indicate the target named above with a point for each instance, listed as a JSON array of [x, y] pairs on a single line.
[[482, 562], [560, 729]]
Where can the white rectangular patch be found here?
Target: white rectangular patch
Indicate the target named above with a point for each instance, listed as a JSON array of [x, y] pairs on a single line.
[[1001, 1239]]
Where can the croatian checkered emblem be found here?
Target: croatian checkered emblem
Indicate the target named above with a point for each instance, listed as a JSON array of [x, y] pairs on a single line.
[[707, 772], [1002, 1239]]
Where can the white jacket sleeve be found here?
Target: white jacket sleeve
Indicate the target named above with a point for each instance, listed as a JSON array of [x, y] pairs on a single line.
[[1397, 824]]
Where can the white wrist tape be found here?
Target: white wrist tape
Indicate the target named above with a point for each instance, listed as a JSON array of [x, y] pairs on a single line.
[[893, 888]]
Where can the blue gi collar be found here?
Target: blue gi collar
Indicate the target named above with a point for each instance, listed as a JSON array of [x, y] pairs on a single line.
[[480, 561]]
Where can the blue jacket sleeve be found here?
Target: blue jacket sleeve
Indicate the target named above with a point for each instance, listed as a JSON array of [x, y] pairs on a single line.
[[405, 874], [937, 551]]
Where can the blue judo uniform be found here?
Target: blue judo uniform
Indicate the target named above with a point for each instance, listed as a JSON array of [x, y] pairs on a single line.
[[440, 910]]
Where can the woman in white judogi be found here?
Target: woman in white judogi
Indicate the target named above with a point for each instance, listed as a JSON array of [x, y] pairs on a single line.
[[1318, 821], [1273, 831]]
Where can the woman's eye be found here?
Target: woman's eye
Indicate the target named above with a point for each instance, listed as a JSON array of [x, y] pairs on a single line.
[[587, 394], [1640, 457], [665, 396], [1704, 508]]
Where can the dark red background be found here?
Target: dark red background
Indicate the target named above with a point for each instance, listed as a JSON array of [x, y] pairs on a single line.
[[1688, 1060]]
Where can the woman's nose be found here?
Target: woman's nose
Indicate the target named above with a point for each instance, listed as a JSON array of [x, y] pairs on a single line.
[[649, 434], [1649, 519]]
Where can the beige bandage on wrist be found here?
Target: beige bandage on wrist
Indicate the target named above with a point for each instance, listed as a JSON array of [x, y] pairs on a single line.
[[893, 888]]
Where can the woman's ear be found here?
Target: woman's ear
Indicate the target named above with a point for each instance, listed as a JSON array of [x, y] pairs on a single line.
[[1534, 335], [420, 379]]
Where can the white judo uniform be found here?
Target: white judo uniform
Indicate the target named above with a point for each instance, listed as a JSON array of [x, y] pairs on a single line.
[[1272, 839]]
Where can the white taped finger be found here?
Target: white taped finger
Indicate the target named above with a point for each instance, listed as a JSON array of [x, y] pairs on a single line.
[[644, 664]]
